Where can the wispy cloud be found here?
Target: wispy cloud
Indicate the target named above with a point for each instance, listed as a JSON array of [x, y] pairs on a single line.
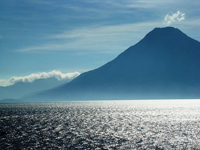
[[42, 75], [170, 18], [133, 4], [47, 47], [97, 39], [107, 38], [143, 4]]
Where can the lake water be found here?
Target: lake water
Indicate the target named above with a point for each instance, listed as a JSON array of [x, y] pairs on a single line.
[[136, 124]]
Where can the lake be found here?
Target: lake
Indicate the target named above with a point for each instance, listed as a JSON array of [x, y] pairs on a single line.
[[130, 124]]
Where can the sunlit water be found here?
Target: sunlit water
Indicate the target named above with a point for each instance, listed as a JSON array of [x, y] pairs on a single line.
[[152, 124]]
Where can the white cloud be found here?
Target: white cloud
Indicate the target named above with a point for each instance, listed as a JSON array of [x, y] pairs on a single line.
[[178, 16], [43, 75]]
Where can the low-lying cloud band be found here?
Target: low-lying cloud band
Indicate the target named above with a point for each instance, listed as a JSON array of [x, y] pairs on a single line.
[[42, 75]]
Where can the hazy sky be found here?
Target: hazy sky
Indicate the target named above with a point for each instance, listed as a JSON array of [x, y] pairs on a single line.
[[79, 35]]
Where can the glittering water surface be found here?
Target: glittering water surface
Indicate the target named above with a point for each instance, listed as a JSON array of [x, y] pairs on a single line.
[[147, 124]]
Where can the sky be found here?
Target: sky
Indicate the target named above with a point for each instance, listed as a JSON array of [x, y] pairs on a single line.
[[76, 36]]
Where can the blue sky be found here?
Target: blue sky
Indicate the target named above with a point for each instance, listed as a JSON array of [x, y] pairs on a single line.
[[80, 35]]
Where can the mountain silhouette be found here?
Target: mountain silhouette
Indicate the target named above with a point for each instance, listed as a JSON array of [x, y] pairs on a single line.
[[20, 89], [165, 64]]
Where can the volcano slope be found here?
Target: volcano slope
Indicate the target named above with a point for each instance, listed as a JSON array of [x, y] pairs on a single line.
[[165, 64]]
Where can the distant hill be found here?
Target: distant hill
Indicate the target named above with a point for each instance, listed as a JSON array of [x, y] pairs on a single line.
[[10, 101], [20, 89], [165, 64]]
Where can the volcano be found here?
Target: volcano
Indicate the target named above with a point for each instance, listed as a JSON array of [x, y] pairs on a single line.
[[165, 64]]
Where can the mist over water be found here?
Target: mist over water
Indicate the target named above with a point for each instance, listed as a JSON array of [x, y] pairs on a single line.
[[136, 124]]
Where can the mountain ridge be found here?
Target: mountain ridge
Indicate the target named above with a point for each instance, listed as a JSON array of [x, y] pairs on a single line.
[[20, 89], [163, 65]]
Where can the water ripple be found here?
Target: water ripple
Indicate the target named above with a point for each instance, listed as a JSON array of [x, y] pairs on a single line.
[[101, 125]]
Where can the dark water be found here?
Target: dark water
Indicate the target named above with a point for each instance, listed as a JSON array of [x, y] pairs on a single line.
[[101, 125]]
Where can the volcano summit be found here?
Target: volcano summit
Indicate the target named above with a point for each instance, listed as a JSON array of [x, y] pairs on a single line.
[[165, 64]]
